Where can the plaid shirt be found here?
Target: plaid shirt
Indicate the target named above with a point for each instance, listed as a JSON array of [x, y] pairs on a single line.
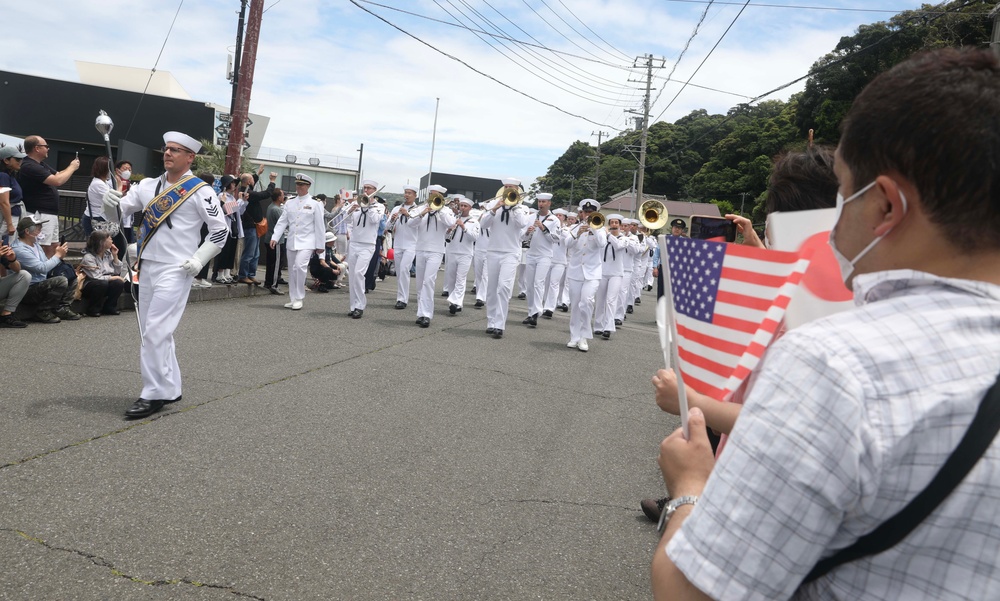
[[850, 418]]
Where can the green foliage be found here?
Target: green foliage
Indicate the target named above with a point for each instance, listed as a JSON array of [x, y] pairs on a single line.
[[213, 160]]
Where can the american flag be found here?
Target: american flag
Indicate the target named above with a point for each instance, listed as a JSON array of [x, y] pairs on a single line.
[[729, 300], [230, 206]]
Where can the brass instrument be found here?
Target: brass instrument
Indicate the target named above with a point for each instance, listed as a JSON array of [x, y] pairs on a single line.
[[364, 201], [653, 214], [510, 196], [436, 201], [595, 221]]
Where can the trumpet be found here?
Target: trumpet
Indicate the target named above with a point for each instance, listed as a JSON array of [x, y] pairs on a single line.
[[595, 221], [653, 214]]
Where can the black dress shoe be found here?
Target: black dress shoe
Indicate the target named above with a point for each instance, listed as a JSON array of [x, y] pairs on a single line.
[[522, 296], [173, 400], [112, 311], [598, 333], [420, 321], [480, 304], [628, 309], [498, 333], [606, 335], [547, 314], [445, 294], [358, 313], [143, 408], [490, 330], [533, 320], [638, 300], [564, 308], [453, 308], [400, 305], [618, 322], [527, 320], [353, 311], [425, 322], [473, 289]]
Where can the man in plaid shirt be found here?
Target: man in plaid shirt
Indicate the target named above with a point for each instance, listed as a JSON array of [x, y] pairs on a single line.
[[852, 416]]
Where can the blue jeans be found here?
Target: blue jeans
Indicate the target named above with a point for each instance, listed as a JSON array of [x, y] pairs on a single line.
[[251, 253]]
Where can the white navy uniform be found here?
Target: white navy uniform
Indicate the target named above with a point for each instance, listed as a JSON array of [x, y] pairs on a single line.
[[632, 277], [431, 228], [163, 285], [506, 227], [364, 224], [404, 248], [460, 251], [303, 219], [546, 242], [583, 276], [479, 261], [556, 291], [612, 274]]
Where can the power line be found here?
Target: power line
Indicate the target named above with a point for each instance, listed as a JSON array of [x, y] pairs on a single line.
[[153, 71], [470, 67], [830, 8], [544, 20], [622, 54], [687, 44]]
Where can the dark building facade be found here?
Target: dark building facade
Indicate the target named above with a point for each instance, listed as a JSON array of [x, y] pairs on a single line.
[[475, 188]]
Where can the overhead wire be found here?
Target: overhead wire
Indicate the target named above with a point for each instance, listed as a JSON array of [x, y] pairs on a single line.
[[829, 8], [561, 34], [596, 35], [687, 45], [153, 71], [471, 68]]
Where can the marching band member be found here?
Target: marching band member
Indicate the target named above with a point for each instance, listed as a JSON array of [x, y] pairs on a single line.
[[460, 249], [303, 218], [364, 225], [453, 205], [654, 250], [506, 226], [431, 227], [630, 259], [557, 270], [612, 273], [546, 241], [404, 244], [480, 272], [583, 274], [171, 258], [641, 262]]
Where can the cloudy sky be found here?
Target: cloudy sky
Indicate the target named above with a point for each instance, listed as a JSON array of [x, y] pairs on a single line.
[[332, 76]]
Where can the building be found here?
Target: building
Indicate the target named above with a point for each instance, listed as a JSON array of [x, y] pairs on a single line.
[[476, 188], [625, 203]]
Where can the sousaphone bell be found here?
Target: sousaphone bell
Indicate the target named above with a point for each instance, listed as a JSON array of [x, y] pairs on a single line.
[[653, 214]]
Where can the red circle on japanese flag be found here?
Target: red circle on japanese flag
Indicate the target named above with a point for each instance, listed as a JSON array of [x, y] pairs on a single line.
[[823, 278]]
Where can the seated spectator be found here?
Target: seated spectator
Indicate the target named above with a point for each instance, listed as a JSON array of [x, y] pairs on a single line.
[[14, 283], [102, 269], [326, 267], [51, 296]]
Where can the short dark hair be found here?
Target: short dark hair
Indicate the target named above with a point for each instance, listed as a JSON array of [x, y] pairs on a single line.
[[122, 163], [30, 143], [801, 181], [100, 169], [276, 193], [935, 119], [207, 177], [96, 239]]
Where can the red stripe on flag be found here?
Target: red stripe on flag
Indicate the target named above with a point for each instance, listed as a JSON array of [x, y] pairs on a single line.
[[703, 387], [733, 323], [705, 364], [711, 342], [753, 277], [742, 300], [771, 256]]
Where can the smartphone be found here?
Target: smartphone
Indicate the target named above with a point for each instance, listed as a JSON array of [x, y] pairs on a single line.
[[716, 229]]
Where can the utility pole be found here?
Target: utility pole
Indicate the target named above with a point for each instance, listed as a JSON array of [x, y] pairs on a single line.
[[637, 202], [597, 158], [995, 35], [243, 75], [743, 200], [572, 183]]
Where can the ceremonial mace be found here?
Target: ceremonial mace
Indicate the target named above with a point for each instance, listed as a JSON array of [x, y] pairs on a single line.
[[104, 125]]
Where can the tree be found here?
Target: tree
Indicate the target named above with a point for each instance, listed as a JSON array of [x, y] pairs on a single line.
[[212, 159]]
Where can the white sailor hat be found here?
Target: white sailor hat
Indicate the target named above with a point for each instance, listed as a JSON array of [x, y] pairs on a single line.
[[302, 178], [616, 216], [183, 139], [560, 211], [572, 214], [510, 181], [437, 188], [464, 200], [410, 187], [331, 237], [543, 196], [590, 204], [369, 182]]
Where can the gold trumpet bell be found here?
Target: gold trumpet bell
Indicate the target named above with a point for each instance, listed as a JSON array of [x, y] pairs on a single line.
[[436, 201], [653, 214]]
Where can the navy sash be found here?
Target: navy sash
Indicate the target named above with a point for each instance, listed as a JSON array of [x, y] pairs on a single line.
[[160, 208]]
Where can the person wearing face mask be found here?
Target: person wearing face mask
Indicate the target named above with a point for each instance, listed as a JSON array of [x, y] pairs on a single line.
[[852, 416]]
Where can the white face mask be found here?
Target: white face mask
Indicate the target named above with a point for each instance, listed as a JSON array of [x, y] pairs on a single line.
[[126, 174], [847, 265]]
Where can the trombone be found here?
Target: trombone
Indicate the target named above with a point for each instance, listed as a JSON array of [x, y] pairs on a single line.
[[510, 196], [595, 221], [653, 214]]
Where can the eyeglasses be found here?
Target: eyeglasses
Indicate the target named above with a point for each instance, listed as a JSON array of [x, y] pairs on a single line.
[[174, 150], [41, 145]]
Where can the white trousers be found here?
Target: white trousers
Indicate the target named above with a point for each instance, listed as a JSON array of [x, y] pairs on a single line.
[[522, 279], [635, 290], [536, 274], [649, 272], [428, 264], [581, 308], [456, 273], [403, 260], [298, 267], [501, 268], [557, 275], [359, 255], [481, 274], [606, 302], [628, 280], [163, 295]]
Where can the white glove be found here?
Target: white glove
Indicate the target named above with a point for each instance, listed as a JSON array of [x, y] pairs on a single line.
[[112, 198], [201, 257]]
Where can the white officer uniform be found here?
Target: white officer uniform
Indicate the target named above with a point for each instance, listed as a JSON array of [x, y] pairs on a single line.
[[546, 241], [460, 251], [363, 224], [583, 276], [612, 273], [163, 285], [431, 228], [557, 269], [506, 227], [404, 247], [303, 219]]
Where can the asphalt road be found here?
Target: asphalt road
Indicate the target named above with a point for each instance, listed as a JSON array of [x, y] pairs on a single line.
[[318, 457]]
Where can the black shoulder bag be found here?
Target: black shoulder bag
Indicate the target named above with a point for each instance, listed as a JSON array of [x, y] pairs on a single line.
[[977, 439]]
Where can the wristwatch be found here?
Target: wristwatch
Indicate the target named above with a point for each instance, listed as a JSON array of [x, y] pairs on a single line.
[[672, 506]]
